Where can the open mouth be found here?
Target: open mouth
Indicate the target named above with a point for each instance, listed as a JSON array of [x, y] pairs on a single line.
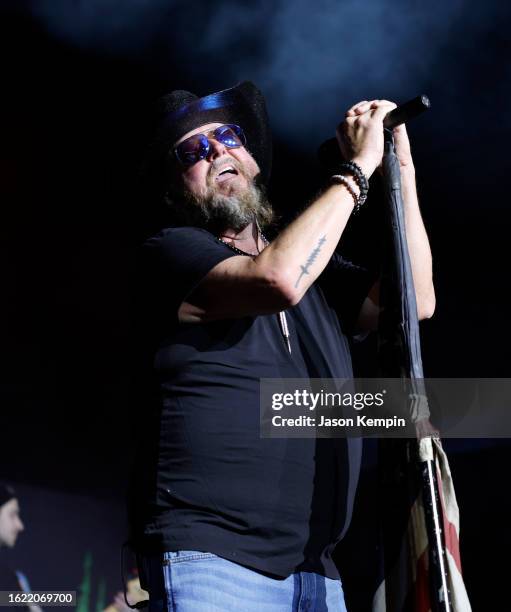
[[226, 173]]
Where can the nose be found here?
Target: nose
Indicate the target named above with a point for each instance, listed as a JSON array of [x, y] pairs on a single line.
[[21, 527], [216, 149]]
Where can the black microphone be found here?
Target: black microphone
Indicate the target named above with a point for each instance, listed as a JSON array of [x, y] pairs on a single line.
[[405, 112]]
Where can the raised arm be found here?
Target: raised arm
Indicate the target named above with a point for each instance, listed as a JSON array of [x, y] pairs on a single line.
[[281, 274], [416, 236]]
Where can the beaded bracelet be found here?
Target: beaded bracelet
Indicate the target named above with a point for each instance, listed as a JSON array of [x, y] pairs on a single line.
[[342, 180], [356, 171]]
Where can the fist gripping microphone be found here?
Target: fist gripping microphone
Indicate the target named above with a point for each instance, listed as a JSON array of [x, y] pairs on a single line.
[[329, 154]]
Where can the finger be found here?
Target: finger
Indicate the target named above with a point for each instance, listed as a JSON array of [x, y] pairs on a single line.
[[352, 111], [380, 112], [348, 122], [383, 103], [376, 103], [400, 130], [363, 108]]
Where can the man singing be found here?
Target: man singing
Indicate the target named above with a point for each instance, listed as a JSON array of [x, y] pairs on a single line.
[[222, 519]]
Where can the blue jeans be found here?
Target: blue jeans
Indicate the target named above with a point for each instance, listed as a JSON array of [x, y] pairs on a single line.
[[193, 581]]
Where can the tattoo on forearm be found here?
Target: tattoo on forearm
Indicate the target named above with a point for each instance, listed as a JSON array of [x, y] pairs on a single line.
[[310, 261]]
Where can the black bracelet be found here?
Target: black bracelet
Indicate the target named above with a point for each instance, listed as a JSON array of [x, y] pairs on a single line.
[[363, 184]]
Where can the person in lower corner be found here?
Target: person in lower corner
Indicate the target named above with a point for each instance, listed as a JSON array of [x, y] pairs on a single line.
[[11, 526]]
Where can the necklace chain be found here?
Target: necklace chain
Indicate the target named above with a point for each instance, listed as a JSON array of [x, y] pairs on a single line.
[[239, 251], [281, 315]]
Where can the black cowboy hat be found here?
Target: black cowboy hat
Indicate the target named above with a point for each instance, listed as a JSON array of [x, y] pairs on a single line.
[[6, 493], [180, 112]]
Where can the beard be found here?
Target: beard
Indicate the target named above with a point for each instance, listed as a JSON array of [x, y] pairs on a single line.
[[217, 212]]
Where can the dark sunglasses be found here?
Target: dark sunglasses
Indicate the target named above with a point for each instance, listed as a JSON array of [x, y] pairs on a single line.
[[197, 147]]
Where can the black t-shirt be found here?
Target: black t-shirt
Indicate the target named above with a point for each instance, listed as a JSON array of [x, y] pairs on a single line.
[[8, 579], [9, 582], [205, 480]]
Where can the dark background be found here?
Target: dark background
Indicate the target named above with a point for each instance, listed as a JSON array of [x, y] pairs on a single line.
[[77, 79]]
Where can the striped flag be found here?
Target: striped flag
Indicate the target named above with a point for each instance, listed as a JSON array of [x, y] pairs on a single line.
[[407, 580]]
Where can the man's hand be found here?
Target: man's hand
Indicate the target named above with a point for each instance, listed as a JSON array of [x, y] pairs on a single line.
[[360, 136]]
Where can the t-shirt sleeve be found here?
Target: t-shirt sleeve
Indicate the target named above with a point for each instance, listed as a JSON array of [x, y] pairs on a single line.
[[175, 261], [346, 285]]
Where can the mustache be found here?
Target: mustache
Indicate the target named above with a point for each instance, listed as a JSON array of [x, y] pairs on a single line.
[[217, 164]]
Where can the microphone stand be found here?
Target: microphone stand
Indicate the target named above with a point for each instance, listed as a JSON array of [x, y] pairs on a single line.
[[403, 317], [408, 467]]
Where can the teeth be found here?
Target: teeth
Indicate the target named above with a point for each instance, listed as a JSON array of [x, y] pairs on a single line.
[[226, 169]]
